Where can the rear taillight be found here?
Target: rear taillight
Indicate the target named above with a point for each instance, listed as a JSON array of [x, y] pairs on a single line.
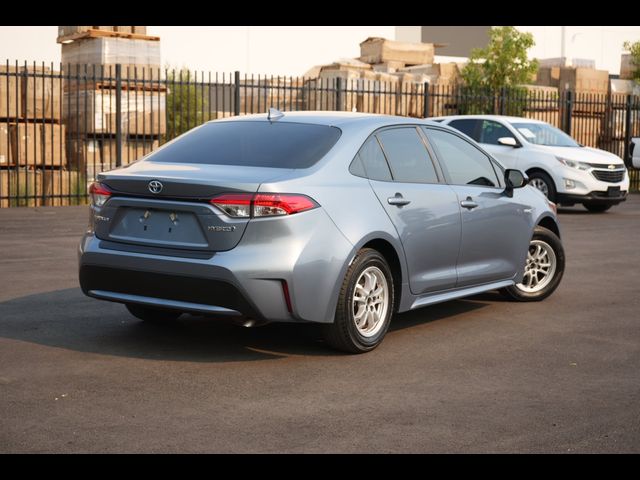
[[246, 205], [99, 194]]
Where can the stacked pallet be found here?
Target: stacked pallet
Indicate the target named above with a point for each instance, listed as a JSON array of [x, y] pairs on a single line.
[[92, 88], [388, 77], [31, 133]]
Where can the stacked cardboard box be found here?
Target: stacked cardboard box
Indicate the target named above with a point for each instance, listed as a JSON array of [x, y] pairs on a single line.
[[89, 106], [626, 67], [48, 187]]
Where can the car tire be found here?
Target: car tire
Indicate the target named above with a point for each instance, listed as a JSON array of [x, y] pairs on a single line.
[[365, 305], [595, 208], [551, 251], [152, 315], [541, 180]]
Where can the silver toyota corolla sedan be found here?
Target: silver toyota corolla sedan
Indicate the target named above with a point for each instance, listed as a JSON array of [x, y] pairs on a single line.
[[343, 219]]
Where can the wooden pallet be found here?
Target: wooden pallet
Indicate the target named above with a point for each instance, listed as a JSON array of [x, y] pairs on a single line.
[[93, 33], [148, 86]]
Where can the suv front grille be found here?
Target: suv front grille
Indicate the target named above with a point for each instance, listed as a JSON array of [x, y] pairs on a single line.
[[610, 176]]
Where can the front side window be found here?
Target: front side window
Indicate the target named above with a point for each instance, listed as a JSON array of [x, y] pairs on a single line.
[[407, 156], [463, 163], [491, 131]]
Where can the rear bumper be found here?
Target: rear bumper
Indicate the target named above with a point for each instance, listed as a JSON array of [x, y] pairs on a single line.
[[189, 294], [594, 198], [305, 250]]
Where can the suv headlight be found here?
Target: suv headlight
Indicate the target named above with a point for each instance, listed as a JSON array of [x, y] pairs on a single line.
[[574, 164]]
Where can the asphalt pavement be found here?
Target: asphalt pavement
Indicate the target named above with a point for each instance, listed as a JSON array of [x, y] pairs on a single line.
[[476, 375]]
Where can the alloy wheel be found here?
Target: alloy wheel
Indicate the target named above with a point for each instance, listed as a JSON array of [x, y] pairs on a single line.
[[370, 301]]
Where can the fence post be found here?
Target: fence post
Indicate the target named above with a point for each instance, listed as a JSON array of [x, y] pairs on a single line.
[[118, 115], [627, 130], [425, 107], [236, 93], [502, 100], [568, 107], [338, 93]]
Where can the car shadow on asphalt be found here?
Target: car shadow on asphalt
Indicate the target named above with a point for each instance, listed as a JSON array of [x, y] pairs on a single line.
[[67, 319]]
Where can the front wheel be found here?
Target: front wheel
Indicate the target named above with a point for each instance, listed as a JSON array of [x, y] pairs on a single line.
[[544, 183], [595, 208], [152, 315], [365, 305], [543, 269]]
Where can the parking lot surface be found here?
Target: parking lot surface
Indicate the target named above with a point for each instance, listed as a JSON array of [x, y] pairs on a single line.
[[476, 375]]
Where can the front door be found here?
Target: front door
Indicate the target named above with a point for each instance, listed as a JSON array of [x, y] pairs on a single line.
[[495, 233], [423, 210]]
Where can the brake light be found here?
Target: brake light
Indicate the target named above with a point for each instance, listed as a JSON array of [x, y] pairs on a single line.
[[99, 194], [245, 205]]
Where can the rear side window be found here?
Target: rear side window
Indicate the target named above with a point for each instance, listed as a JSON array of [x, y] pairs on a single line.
[[467, 126], [372, 158], [407, 155], [251, 144]]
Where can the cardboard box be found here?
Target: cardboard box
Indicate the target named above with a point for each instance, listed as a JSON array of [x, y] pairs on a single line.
[[5, 145], [10, 84], [548, 76], [111, 51], [94, 111], [132, 149], [83, 152], [26, 143], [380, 50], [585, 80], [388, 67], [49, 187], [54, 151], [40, 94], [626, 67], [139, 30], [66, 31], [586, 129], [346, 64]]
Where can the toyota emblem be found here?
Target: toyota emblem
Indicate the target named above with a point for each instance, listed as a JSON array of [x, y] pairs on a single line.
[[155, 186]]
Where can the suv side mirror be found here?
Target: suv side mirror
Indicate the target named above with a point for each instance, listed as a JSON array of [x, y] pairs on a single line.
[[509, 142], [514, 179]]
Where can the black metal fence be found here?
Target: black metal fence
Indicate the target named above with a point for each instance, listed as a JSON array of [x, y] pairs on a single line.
[[59, 128]]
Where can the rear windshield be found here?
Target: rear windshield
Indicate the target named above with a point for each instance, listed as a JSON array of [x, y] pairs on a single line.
[[251, 144]]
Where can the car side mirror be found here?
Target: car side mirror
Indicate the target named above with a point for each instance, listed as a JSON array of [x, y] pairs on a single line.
[[509, 142], [514, 179]]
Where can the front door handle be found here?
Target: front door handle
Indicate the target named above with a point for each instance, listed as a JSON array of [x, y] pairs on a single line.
[[468, 203], [398, 200]]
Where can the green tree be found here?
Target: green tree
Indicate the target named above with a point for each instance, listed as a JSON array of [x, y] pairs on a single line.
[[634, 49], [503, 62], [187, 102], [493, 75]]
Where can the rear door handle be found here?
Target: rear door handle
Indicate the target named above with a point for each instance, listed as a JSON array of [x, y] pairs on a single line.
[[468, 203], [398, 200]]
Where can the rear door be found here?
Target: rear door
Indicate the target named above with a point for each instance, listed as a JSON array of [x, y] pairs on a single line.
[[495, 232], [423, 210]]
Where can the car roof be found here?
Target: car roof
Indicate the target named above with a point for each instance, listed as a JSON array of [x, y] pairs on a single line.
[[490, 117], [331, 118]]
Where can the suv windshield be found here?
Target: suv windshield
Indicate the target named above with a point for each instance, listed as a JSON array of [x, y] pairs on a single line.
[[544, 134], [251, 144]]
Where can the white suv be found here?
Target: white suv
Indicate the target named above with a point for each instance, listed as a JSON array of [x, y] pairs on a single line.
[[565, 171]]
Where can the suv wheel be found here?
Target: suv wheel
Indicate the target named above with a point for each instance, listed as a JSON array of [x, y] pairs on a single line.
[[544, 183], [543, 270], [365, 305], [152, 315]]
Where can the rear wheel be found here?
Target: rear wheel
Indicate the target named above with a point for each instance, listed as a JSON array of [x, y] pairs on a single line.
[[595, 208], [544, 183], [543, 269], [365, 305], [152, 315]]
